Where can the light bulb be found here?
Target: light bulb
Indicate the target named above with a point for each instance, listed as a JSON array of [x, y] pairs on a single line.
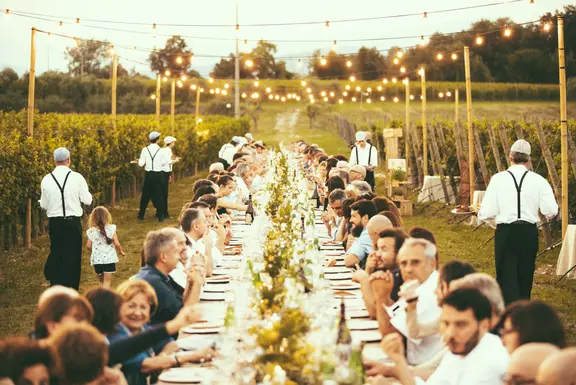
[[211, 91], [348, 86], [268, 90], [184, 78], [323, 93], [332, 94], [154, 26], [385, 81], [325, 99], [180, 84], [348, 63], [210, 80], [303, 83], [402, 70], [379, 88], [354, 99], [249, 63], [440, 56], [358, 88], [368, 101], [60, 24], [243, 95], [368, 89], [454, 56], [309, 90], [323, 61], [396, 99], [396, 61], [382, 98], [226, 85], [193, 87], [179, 60], [507, 32], [448, 94], [345, 93], [352, 78], [394, 80], [270, 97], [399, 54], [224, 92], [167, 73], [547, 27], [441, 95], [479, 40], [341, 101], [256, 83], [153, 97], [411, 97]]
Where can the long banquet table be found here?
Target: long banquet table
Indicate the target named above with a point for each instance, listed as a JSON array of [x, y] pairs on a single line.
[[225, 288]]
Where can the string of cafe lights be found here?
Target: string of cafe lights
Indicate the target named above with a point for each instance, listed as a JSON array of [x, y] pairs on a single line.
[[326, 23]]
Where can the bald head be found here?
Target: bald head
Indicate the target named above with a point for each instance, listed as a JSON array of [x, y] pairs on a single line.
[[526, 360], [558, 368], [54, 290], [376, 225]]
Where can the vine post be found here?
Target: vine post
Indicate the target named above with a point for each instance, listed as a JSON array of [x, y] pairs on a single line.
[[563, 125], [30, 131]]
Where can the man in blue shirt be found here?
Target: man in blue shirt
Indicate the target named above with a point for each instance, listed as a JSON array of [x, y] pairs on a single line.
[[357, 254], [163, 250]]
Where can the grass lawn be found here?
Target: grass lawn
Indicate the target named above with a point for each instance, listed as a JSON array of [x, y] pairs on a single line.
[[21, 279]]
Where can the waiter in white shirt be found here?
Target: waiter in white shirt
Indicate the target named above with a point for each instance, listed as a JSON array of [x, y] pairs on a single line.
[[153, 161], [365, 154], [514, 197], [63, 191], [169, 158], [227, 152]]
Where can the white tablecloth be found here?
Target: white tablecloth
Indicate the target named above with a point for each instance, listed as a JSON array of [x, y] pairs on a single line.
[[476, 201], [567, 257], [432, 190]]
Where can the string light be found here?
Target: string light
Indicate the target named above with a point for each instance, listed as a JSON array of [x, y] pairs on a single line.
[[396, 99], [345, 93], [210, 80], [77, 20], [211, 91], [243, 95], [270, 96], [303, 83], [226, 85], [153, 97], [309, 90], [440, 56], [298, 98], [167, 73], [256, 83], [237, 27], [60, 24], [268, 90], [277, 97], [348, 86], [354, 99], [424, 41], [394, 80], [368, 89], [425, 15], [379, 88], [402, 69], [184, 78], [193, 87], [164, 79], [283, 99], [385, 81], [399, 54], [441, 95], [411, 97], [348, 63], [507, 32], [312, 101], [405, 81], [249, 63], [352, 78], [323, 93], [327, 23], [224, 92], [341, 101], [217, 91], [325, 99], [454, 57], [179, 60], [7, 12], [332, 94], [479, 40], [448, 94], [245, 41], [396, 61], [368, 101], [358, 88], [180, 84], [323, 61], [382, 98]]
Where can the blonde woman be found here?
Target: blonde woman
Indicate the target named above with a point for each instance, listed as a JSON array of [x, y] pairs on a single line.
[[139, 303], [104, 244]]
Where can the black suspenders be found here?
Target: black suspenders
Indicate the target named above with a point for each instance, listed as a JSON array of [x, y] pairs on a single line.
[[61, 188], [156, 153], [369, 155], [518, 189]]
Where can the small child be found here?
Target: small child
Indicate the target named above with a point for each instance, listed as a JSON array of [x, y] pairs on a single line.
[[104, 243]]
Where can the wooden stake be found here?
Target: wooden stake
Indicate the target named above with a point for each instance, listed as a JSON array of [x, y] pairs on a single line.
[[424, 124], [173, 105], [113, 191], [505, 144], [471, 169], [456, 107], [197, 116], [158, 94], [495, 150], [406, 128], [549, 161], [30, 130], [435, 154], [414, 138], [114, 86], [563, 125], [480, 155]]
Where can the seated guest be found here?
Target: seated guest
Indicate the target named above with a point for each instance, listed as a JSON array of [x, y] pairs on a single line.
[[422, 233], [333, 217], [333, 183], [343, 174], [26, 361], [362, 187], [417, 263], [244, 177], [227, 185], [343, 233], [383, 203], [487, 286], [530, 321], [201, 183], [474, 354], [383, 258], [81, 354], [163, 249], [105, 303], [201, 247], [56, 289], [218, 166], [203, 190], [525, 361], [558, 369], [58, 311], [376, 225], [218, 227], [139, 302], [394, 219], [357, 172], [361, 212]]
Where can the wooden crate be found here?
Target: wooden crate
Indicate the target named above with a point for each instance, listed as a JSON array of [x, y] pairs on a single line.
[[406, 208]]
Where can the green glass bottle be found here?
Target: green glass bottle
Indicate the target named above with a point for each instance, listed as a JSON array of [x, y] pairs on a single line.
[[230, 317], [356, 367]]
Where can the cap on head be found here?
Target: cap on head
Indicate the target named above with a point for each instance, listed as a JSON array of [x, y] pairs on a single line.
[[359, 169], [236, 139], [360, 135], [249, 136], [61, 154], [342, 164], [216, 166], [153, 135], [169, 140], [521, 146]]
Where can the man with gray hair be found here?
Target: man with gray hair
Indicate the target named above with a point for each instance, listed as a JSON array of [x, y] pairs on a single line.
[[163, 250], [417, 262], [362, 187], [515, 197], [63, 192], [244, 178], [333, 217], [357, 172]]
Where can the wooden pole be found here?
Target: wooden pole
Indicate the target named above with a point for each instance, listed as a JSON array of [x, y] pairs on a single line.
[[471, 168], [407, 127], [197, 114], [173, 105], [114, 86], [563, 125], [505, 144], [495, 150], [30, 130], [158, 93], [424, 124], [456, 107]]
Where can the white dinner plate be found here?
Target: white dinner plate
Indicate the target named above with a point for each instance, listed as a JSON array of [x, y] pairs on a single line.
[[339, 276], [335, 270], [362, 324], [220, 271], [342, 294], [195, 342], [366, 336], [210, 296], [352, 314], [218, 280], [216, 288], [198, 330], [344, 286], [184, 375]]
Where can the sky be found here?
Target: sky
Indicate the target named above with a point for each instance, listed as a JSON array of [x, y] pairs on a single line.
[[15, 30]]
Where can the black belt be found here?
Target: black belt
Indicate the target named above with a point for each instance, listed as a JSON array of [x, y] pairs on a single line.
[[66, 218], [516, 223]]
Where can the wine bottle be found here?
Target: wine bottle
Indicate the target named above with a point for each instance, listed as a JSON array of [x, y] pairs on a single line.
[[344, 339], [250, 210], [356, 367]]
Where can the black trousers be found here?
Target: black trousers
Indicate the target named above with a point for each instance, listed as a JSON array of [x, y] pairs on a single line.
[[370, 179], [154, 189], [64, 262], [166, 179], [515, 249]]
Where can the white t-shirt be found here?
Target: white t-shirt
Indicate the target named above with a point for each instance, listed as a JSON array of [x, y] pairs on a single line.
[[102, 252]]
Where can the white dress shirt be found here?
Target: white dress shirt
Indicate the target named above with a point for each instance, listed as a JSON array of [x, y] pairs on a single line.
[[242, 186], [422, 349], [227, 152], [159, 162], [166, 153], [501, 199], [75, 191], [363, 155], [484, 365]]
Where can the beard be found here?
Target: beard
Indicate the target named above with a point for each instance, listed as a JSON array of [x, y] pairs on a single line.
[[357, 230], [468, 346]]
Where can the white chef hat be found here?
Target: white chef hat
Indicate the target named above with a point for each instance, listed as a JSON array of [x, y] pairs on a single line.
[[521, 146], [61, 154], [169, 139], [153, 135], [249, 136], [236, 139], [360, 135]]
